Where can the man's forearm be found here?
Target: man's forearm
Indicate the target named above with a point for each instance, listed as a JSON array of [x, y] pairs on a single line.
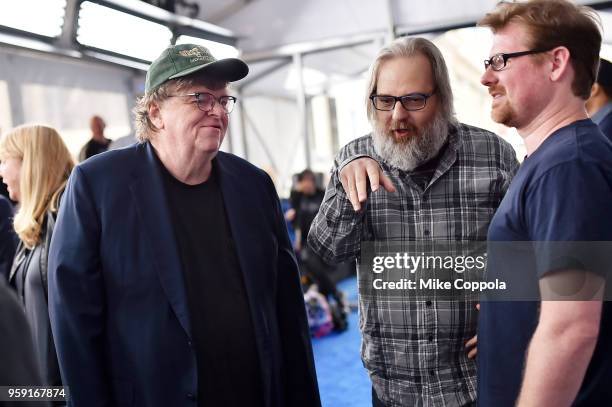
[[335, 233], [556, 365]]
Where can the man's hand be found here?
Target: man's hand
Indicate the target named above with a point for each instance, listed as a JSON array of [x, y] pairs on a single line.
[[471, 345], [354, 178]]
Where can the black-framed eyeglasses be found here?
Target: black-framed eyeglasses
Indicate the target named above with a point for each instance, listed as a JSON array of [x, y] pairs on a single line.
[[410, 102], [206, 101], [498, 61]]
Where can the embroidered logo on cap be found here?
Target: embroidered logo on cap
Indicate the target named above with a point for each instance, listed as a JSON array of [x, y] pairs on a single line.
[[196, 54]]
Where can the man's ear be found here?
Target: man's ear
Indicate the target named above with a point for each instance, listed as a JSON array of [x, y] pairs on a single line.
[[155, 115], [595, 90], [560, 63]]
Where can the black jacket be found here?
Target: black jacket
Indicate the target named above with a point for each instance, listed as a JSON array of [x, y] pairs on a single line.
[[29, 278]]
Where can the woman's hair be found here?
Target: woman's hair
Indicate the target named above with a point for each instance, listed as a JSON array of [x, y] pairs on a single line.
[[46, 164]]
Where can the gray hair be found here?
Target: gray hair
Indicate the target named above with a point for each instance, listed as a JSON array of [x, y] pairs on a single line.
[[407, 47], [144, 127]]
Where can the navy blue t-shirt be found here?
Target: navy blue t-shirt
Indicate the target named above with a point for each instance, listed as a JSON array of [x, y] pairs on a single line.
[[562, 192]]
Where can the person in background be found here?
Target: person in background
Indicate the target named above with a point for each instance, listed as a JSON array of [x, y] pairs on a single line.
[[8, 240], [305, 201], [554, 347], [98, 143], [599, 103], [172, 280], [35, 165]]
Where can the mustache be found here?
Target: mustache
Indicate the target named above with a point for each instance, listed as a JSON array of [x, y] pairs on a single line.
[[402, 125], [499, 90]]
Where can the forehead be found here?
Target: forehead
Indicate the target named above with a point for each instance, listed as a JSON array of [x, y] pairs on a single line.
[[401, 75], [215, 89], [511, 38]]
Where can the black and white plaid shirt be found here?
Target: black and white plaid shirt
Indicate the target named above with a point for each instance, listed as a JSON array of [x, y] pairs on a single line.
[[413, 347]]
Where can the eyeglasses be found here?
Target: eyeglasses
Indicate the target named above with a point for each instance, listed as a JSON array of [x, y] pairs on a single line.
[[410, 102], [206, 101], [498, 61]]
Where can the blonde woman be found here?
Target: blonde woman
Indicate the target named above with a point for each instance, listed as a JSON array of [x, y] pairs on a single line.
[[35, 165]]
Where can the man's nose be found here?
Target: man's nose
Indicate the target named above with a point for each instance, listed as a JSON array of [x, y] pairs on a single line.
[[217, 109], [399, 112], [489, 77]]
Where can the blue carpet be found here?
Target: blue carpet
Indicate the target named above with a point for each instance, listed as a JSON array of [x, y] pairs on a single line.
[[343, 381]]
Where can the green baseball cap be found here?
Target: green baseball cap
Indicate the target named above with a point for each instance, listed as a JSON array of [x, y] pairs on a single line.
[[181, 60]]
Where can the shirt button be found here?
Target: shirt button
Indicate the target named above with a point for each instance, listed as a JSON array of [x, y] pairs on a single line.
[[190, 343], [428, 303], [432, 373], [426, 232], [190, 396], [430, 338], [425, 198]]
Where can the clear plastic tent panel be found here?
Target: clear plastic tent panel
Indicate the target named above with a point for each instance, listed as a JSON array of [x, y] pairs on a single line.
[[104, 28], [43, 17]]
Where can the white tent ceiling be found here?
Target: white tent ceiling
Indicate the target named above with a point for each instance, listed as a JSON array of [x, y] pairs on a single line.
[[268, 24], [337, 38]]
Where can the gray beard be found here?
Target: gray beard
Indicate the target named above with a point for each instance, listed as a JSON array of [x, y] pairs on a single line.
[[417, 150]]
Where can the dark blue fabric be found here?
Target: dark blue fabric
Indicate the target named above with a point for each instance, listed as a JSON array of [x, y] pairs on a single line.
[[8, 238], [117, 294], [562, 192], [606, 126]]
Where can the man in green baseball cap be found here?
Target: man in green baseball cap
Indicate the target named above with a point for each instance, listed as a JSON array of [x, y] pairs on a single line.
[[171, 275]]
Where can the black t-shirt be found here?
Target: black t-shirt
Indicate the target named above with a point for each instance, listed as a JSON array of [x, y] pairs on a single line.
[[221, 324], [423, 174], [306, 208]]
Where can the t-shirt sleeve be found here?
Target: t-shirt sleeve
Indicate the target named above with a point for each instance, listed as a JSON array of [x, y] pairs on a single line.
[[568, 217]]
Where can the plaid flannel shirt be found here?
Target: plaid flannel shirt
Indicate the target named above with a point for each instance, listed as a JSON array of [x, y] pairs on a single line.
[[413, 348]]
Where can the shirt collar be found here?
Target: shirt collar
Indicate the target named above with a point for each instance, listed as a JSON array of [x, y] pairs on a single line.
[[602, 113]]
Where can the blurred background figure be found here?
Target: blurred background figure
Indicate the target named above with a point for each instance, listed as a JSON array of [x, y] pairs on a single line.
[[599, 104], [35, 165], [305, 201], [98, 143], [8, 241]]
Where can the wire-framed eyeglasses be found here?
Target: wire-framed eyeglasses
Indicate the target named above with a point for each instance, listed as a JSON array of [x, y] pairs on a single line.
[[206, 101]]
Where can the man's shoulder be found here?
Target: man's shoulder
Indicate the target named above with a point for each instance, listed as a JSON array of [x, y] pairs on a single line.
[[359, 146], [475, 134], [113, 160], [113, 166], [231, 162], [478, 140]]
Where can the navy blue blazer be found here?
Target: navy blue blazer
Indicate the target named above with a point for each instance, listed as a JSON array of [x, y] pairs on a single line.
[[117, 297]]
